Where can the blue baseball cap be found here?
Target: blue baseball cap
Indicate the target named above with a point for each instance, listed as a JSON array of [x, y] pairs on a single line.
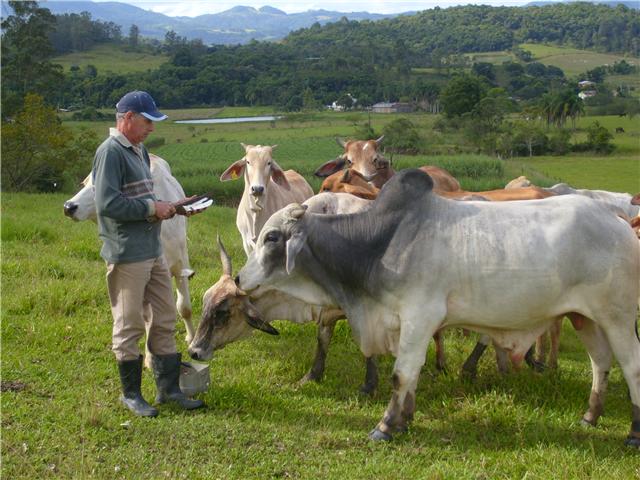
[[142, 103]]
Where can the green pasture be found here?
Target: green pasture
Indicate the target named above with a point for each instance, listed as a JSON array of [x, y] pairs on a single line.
[[106, 57], [60, 413]]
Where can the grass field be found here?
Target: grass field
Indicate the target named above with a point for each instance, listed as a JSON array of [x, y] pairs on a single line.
[[105, 57], [61, 417]]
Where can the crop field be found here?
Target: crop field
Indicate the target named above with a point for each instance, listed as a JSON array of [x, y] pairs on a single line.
[[60, 412]]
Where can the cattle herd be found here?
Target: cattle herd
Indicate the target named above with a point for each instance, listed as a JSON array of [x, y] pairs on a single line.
[[403, 256]]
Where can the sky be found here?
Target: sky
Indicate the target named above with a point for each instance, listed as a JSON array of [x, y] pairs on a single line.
[[193, 8]]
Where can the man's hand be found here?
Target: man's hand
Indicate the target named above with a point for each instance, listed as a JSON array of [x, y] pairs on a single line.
[[164, 210]]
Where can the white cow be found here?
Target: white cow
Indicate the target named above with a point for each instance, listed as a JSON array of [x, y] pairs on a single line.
[[267, 188], [507, 269], [616, 200], [173, 235]]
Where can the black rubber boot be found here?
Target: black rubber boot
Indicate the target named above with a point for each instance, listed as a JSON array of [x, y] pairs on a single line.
[[131, 379], [166, 369]]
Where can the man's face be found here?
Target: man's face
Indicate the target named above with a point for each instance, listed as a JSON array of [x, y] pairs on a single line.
[[136, 127]]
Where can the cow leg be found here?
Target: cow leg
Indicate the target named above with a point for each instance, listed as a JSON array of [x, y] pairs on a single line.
[[324, 335], [626, 347], [183, 305], [502, 360], [541, 347], [530, 358], [601, 357], [412, 352], [370, 377], [470, 366], [441, 361], [554, 335]]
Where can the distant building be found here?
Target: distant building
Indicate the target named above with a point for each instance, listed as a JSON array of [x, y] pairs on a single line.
[[587, 94], [586, 85], [391, 107]]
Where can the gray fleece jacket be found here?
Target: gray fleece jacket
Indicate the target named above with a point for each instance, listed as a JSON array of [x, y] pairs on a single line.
[[124, 201]]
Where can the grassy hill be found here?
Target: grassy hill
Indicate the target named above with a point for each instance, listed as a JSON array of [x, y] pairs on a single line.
[[112, 58]]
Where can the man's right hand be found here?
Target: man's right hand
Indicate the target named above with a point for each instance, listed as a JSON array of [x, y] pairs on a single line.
[[164, 210]]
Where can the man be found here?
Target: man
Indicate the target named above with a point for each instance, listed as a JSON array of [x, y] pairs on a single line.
[[129, 220]]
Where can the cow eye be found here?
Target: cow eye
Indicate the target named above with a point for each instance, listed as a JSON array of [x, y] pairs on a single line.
[[349, 162], [272, 236]]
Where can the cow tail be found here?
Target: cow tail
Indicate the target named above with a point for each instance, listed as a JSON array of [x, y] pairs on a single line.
[[637, 335]]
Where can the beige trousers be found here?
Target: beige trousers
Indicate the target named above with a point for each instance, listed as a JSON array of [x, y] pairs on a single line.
[[139, 292]]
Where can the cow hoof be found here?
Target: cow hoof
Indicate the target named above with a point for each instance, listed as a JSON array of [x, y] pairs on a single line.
[[586, 423], [632, 442], [379, 436], [538, 367], [468, 375], [367, 389], [306, 379]]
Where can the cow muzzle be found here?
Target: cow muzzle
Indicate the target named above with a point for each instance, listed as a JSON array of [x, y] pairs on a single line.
[[70, 208]]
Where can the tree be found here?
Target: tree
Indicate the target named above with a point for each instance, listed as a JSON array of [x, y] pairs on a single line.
[[32, 145], [134, 36], [26, 51], [461, 94], [599, 138]]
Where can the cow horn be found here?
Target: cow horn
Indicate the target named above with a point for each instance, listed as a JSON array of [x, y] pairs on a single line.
[[224, 258], [341, 142], [379, 140], [296, 211]]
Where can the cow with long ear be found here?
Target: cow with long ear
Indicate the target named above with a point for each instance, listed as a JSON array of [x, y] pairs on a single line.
[[267, 188], [363, 156]]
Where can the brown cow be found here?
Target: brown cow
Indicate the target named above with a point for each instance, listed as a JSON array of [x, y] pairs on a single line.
[[353, 182], [362, 156]]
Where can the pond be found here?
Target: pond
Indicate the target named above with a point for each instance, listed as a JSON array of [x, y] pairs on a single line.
[[264, 118]]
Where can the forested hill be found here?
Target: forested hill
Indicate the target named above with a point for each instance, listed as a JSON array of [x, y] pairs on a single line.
[[470, 28]]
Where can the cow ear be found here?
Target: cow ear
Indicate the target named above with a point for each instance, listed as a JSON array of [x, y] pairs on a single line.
[[278, 176], [235, 170], [332, 166], [294, 245]]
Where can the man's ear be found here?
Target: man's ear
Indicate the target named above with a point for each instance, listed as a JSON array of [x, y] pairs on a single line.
[[235, 170]]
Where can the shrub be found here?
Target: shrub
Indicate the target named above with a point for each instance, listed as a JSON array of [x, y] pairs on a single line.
[[599, 138], [401, 136]]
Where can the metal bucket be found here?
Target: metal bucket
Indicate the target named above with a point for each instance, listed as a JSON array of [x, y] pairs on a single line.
[[194, 378]]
